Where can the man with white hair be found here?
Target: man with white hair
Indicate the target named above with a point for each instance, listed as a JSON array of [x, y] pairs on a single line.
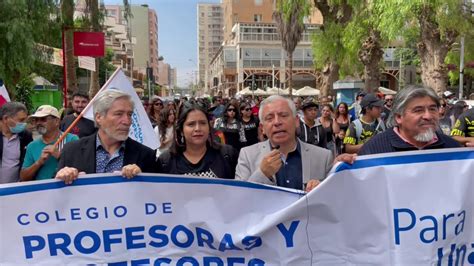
[[283, 160], [110, 149], [415, 117]]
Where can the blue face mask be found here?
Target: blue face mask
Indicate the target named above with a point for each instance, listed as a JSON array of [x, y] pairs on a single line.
[[18, 128]]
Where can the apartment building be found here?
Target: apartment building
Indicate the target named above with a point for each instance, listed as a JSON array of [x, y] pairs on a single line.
[[210, 36], [144, 26], [252, 50]]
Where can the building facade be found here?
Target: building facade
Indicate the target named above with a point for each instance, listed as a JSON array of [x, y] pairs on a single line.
[[210, 22], [118, 39], [144, 26], [252, 52]]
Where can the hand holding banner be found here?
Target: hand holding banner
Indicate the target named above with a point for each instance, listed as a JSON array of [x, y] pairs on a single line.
[[388, 209]]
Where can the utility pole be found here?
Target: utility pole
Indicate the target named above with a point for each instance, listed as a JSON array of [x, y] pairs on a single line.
[[273, 76], [461, 70]]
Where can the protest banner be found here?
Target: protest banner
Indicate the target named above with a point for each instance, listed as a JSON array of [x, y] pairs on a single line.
[[389, 209]]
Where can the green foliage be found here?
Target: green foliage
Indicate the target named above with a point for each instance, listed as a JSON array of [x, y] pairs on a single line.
[[288, 7], [105, 64], [399, 18], [24, 23], [454, 58], [408, 56], [24, 91]]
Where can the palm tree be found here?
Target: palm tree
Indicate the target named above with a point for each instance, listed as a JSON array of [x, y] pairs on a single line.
[[289, 16]]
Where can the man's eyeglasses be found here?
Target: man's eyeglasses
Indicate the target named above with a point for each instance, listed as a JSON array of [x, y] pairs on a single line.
[[389, 100]]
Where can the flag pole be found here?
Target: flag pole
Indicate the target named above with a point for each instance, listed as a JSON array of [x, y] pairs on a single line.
[[73, 124]]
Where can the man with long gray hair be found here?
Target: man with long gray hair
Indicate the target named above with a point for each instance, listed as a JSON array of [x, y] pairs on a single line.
[[413, 121], [110, 149]]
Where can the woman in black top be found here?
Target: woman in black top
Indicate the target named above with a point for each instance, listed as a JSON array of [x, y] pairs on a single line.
[[194, 152], [327, 122], [231, 126], [342, 121], [250, 124]]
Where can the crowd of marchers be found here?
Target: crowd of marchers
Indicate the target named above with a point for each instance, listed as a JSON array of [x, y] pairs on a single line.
[[279, 141]]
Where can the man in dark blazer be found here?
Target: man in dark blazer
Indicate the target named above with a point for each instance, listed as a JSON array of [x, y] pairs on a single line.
[[13, 140], [110, 149]]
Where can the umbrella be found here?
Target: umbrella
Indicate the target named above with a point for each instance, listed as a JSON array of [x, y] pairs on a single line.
[[287, 92], [387, 91], [245, 91], [307, 91], [259, 92], [274, 91]]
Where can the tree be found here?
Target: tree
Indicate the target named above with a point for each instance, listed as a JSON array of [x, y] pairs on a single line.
[[362, 38], [436, 24], [67, 12], [94, 17], [289, 17], [23, 23], [328, 50], [453, 61]]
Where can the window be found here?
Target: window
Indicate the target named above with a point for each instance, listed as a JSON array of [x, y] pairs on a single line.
[[257, 17]]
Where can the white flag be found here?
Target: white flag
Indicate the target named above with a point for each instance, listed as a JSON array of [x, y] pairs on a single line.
[[141, 129], [4, 97]]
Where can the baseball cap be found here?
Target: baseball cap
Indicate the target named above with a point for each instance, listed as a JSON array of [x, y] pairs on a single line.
[[308, 103], [447, 94], [371, 100], [362, 93], [46, 110]]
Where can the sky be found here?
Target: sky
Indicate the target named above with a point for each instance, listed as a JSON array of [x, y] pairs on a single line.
[[177, 33]]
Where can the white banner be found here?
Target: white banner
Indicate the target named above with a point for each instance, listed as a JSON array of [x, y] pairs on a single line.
[[87, 62], [141, 129], [393, 209]]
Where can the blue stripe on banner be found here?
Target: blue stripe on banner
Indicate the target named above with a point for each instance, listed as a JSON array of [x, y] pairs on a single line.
[[147, 179], [407, 159]]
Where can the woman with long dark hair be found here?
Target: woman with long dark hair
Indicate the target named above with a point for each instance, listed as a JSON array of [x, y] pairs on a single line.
[[342, 120], [327, 122], [165, 129], [231, 126], [194, 152], [250, 124], [155, 109]]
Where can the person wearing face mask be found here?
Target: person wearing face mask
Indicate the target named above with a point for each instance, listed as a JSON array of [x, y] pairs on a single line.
[[13, 140], [42, 155]]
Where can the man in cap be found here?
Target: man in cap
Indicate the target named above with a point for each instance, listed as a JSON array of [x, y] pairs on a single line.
[[13, 140], [311, 130], [415, 117], [41, 157], [368, 125]]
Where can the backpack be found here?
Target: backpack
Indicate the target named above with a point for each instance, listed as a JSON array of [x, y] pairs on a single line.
[[358, 127]]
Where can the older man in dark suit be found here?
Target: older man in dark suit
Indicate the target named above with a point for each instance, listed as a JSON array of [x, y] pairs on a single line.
[[110, 149]]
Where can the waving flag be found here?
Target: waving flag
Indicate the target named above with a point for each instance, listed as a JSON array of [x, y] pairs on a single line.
[[4, 97], [141, 129]]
